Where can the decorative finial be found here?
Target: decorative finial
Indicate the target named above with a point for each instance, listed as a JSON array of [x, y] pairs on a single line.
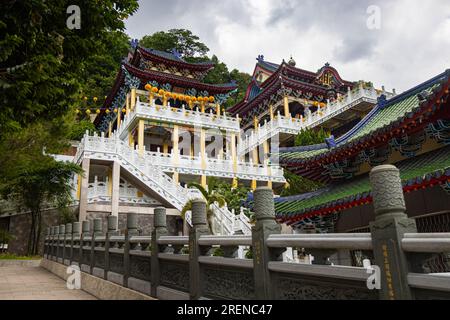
[[134, 43], [292, 62], [260, 58], [176, 53], [327, 64]]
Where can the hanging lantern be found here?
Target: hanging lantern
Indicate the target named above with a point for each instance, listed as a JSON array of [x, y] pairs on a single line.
[[211, 99], [155, 89], [148, 87], [97, 111], [115, 110], [124, 110], [88, 112], [85, 98], [95, 99], [107, 111], [77, 111], [161, 91]]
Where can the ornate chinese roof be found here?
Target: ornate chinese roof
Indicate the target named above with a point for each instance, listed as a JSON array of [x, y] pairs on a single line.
[[163, 70], [169, 58], [289, 80], [386, 125], [430, 169]]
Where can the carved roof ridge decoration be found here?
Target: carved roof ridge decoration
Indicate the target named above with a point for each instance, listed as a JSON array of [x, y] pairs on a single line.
[[277, 81], [216, 88], [170, 59], [413, 111]]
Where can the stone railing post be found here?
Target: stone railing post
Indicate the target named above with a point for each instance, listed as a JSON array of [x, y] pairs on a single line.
[[62, 243], [112, 231], [159, 230], [390, 224], [46, 242], [68, 244], [56, 244], [85, 232], [199, 228], [265, 226], [97, 232], [76, 228], [129, 232]]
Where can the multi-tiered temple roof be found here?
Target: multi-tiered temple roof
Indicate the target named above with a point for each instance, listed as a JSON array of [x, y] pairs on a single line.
[[163, 70], [271, 82], [409, 130]]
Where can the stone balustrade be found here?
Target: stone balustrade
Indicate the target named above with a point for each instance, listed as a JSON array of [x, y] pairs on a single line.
[[202, 266], [181, 116]]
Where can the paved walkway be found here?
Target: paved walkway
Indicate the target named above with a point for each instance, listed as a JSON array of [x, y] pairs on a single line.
[[35, 283]]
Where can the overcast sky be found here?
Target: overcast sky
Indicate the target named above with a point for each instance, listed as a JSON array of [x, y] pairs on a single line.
[[412, 45]]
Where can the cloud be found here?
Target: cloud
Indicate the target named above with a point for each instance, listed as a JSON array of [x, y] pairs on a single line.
[[412, 45]]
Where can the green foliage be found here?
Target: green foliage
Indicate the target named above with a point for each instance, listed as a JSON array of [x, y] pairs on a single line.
[[218, 252], [249, 254], [99, 70], [188, 45], [41, 59], [42, 67], [233, 196], [298, 185], [309, 137], [5, 236], [193, 50], [79, 129], [12, 256]]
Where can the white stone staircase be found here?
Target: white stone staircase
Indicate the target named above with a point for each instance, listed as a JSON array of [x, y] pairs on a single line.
[[141, 167]]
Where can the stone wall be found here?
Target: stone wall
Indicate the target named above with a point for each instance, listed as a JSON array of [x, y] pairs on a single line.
[[19, 227]]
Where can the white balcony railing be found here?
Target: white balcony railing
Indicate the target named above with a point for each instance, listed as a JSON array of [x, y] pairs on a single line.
[[180, 116], [293, 126]]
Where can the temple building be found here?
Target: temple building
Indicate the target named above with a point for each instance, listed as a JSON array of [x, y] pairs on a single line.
[[410, 131], [162, 127]]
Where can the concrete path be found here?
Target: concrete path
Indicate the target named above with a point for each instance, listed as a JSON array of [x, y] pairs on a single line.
[[21, 282]]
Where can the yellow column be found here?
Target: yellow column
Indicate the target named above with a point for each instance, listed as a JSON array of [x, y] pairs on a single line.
[[175, 152], [79, 186], [218, 109], [133, 99], [110, 130], [234, 158], [127, 105], [141, 137], [110, 182], [165, 147], [271, 112], [286, 107], [119, 112], [202, 107], [203, 153], [131, 139], [255, 152]]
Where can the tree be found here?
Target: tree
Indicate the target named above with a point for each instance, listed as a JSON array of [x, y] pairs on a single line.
[[41, 81], [309, 137], [211, 196], [187, 44], [44, 185]]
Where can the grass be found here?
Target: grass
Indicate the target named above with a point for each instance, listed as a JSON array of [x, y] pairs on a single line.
[[12, 256]]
